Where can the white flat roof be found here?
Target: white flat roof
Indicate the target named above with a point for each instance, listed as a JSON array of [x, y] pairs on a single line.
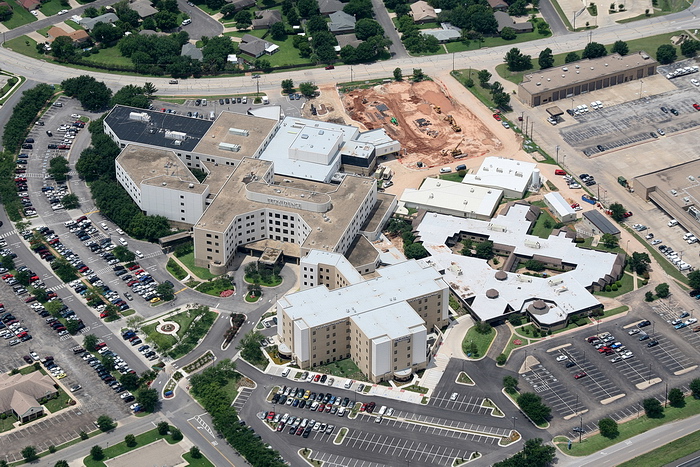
[[455, 196], [559, 204], [336, 259], [500, 172], [318, 306], [390, 322], [277, 150], [469, 276]]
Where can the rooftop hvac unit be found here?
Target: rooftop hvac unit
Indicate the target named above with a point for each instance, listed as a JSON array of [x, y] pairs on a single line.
[[497, 228], [229, 147], [499, 170], [238, 132], [555, 282], [532, 244], [139, 116], [178, 142], [175, 135], [561, 289], [522, 278]]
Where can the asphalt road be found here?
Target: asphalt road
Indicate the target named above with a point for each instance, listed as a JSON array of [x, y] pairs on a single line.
[[6, 109]]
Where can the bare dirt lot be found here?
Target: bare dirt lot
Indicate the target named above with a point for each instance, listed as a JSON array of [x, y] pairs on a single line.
[[425, 134]]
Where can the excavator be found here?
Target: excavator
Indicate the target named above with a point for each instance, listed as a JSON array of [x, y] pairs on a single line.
[[456, 152], [450, 119]]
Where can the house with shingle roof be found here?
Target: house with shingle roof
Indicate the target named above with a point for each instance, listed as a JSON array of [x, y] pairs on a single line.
[[19, 394], [191, 50], [256, 47], [341, 23], [422, 12], [326, 7], [266, 18]]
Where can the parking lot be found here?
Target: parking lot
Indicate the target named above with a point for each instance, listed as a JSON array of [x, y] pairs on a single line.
[[241, 398], [554, 393], [595, 382], [633, 122], [463, 403]]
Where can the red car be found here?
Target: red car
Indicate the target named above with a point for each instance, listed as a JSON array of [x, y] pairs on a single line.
[[316, 378], [270, 415], [330, 67], [696, 106], [134, 267], [29, 299], [580, 375], [628, 214], [100, 345], [604, 349], [560, 172], [497, 117]]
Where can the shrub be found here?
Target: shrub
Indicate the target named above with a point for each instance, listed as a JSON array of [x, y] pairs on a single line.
[[501, 359]]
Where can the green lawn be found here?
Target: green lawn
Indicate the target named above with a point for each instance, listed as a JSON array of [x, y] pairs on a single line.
[[52, 7], [632, 428], [253, 32], [286, 55], [163, 341], [44, 31], [667, 453], [452, 177], [61, 402], [201, 462], [215, 287], [664, 7], [540, 229], [345, 368], [482, 341], [588, 242], [202, 273], [494, 42], [627, 286], [73, 24], [231, 389], [20, 16], [118, 449], [647, 44], [25, 46], [480, 93], [110, 56], [184, 319], [175, 269], [7, 423]]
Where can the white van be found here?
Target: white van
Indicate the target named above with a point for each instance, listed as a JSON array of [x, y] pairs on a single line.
[[265, 100], [285, 373], [186, 22], [382, 411], [446, 170], [204, 102], [212, 116]]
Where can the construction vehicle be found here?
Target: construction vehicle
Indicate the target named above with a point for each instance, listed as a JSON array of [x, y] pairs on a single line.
[[394, 121], [456, 128], [438, 110], [456, 152], [623, 182], [450, 119]]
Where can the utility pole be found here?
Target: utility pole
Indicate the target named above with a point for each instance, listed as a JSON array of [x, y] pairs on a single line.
[[580, 430], [557, 148], [257, 83], [666, 401]]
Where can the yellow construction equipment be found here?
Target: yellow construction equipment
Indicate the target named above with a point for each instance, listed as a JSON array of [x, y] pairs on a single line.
[[438, 109], [449, 119], [456, 151]]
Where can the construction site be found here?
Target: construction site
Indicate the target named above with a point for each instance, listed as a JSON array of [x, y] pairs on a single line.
[[433, 129]]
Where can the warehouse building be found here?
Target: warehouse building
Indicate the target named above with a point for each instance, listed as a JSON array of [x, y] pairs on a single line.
[[584, 76], [452, 198], [512, 176], [559, 207]]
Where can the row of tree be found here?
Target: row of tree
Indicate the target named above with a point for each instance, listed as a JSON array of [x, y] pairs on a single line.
[[207, 387]]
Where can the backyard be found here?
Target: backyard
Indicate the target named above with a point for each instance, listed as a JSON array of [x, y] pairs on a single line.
[[19, 17], [544, 225]]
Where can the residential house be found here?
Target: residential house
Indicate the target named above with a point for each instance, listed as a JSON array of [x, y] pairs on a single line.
[[191, 50], [241, 4], [107, 18], [498, 5], [30, 5], [77, 37], [326, 7], [256, 47], [143, 8], [6, 5], [422, 12], [507, 21], [442, 35], [266, 18], [341, 23], [347, 39], [19, 394]]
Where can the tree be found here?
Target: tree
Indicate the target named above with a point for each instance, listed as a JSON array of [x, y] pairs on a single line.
[[639, 262], [510, 384], [195, 452], [534, 265], [61, 463], [287, 85], [608, 428], [278, 32], [483, 76], [5, 12], [58, 168], [105, 423], [534, 454], [165, 20], [398, 75], [250, 347], [106, 33], [653, 408], [29, 454], [359, 8], [620, 47], [531, 404], [90, 342], [546, 59], [572, 57], [130, 440], [415, 251], [484, 250], [176, 434], [308, 89], [165, 290], [366, 28], [517, 61], [618, 211], [508, 33], [609, 240], [97, 452], [70, 201], [518, 8], [666, 54], [148, 399], [123, 254], [594, 50], [676, 398], [662, 290], [62, 48], [163, 428], [130, 381], [695, 388], [649, 296], [72, 325], [93, 95], [694, 279], [689, 47], [244, 19], [483, 327], [307, 8]]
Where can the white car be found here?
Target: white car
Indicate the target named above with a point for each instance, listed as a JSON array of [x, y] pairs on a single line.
[[138, 253], [690, 321], [454, 396], [561, 358], [695, 82], [63, 12]]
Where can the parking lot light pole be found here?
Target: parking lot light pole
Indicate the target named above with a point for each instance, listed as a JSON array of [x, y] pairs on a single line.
[[580, 431], [666, 400], [649, 382], [557, 148]]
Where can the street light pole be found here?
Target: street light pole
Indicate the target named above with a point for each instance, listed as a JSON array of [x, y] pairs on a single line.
[[557, 148], [257, 83]]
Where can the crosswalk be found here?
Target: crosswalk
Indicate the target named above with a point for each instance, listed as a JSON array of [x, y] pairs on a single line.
[[8, 234]]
